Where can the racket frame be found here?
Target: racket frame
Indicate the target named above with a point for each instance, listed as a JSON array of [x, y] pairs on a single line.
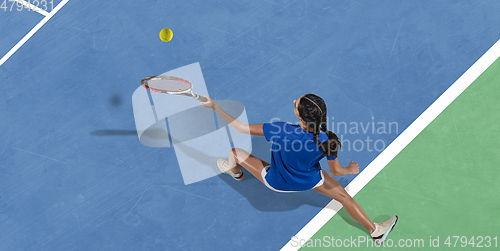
[[186, 92]]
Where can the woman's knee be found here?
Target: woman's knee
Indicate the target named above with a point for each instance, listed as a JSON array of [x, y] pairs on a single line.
[[337, 193], [342, 195], [235, 150], [239, 154]]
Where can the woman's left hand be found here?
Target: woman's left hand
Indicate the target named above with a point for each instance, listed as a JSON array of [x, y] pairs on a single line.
[[353, 168]]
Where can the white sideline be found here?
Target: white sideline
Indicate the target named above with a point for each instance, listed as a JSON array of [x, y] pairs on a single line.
[[32, 32], [398, 145]]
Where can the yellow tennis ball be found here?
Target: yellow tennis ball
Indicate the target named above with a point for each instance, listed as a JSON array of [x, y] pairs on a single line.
[[166, 34]]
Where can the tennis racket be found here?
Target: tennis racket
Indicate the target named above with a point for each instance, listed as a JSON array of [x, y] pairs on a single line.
[[171, 85]]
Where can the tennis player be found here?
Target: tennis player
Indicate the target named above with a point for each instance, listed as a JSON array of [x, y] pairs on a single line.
[[296, 152]]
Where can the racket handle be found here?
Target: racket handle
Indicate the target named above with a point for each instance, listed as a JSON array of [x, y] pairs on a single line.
[[201, 98]]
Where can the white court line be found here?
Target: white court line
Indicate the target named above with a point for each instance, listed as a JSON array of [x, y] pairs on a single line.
[[398, 145], [32, 32], [33, 7]]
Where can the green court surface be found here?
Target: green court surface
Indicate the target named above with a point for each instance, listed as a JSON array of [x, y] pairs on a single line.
[[445, 183]]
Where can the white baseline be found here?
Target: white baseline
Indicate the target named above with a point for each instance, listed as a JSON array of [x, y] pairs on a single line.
[[33, 31]]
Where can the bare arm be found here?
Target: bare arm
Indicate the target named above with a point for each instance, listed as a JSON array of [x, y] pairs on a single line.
[[255, 129], [337, 170]]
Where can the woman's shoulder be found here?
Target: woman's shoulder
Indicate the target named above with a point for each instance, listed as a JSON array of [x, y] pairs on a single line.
[[284, 124]]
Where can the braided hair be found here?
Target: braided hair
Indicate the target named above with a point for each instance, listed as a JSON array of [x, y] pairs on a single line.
[[312, 109]]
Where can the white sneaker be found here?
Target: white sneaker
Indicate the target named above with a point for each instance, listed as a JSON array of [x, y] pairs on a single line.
[[383, 229], [224, 167]]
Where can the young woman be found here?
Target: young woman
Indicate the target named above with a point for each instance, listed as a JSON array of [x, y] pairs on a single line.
[[296, 152]]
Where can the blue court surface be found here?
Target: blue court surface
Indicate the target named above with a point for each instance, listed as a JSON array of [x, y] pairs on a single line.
[[74, 175]]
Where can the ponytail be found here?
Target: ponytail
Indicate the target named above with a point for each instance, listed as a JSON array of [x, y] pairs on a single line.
[[332, 145], [315, 117]]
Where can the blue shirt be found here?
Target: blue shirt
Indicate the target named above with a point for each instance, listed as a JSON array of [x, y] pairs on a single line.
[[294, 157]]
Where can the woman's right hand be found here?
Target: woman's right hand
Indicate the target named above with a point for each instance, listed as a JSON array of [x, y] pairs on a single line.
[[209, 104]]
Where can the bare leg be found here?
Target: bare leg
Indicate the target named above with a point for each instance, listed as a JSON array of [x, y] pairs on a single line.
[[240, 158], [332, 189]]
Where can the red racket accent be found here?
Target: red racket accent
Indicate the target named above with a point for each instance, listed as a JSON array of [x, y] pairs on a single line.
[[169, 84]]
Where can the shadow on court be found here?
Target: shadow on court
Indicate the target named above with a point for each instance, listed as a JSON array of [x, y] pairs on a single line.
[[256, 193]]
